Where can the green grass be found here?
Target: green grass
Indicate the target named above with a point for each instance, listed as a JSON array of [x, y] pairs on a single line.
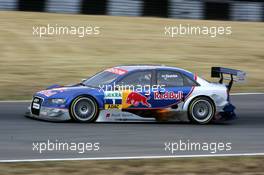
[[181, 166], [29, 63]]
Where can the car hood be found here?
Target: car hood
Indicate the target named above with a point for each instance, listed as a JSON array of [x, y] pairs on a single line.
[[65, 91]]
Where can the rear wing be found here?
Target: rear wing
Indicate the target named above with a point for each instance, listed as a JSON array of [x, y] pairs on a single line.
[[235, 75]]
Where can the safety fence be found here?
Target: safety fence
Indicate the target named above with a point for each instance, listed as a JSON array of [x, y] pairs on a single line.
[[240, 10]]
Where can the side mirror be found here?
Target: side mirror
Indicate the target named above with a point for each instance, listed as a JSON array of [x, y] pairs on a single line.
[[83, 80]]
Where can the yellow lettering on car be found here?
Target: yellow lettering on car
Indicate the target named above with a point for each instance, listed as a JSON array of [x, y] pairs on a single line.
[[113, 106]]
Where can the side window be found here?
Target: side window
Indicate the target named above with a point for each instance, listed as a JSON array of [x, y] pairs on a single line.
[[137, 78], [170, 78], [189, 82]]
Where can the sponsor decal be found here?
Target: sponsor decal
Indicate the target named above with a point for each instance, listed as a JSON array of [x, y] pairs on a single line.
[[47, 93], [36, 106], [166, 76], [51, 92], [107, 115], [168, 95], [119, 115], [135, 99], [113, 106], [113, 95], [36, 100], [117, 71], [113, 99]]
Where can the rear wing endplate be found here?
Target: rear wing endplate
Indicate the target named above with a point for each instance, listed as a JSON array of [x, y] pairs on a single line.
[[235, 75]]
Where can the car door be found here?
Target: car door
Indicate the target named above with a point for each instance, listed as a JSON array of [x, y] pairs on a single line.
[[173, 89], [136, 89]]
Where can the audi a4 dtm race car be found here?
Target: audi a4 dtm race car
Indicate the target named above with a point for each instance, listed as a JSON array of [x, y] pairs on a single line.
[[139, 93]]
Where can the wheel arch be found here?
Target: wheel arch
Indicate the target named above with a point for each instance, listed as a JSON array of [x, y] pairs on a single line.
[[190, 100], [89, 96], [99, 102]]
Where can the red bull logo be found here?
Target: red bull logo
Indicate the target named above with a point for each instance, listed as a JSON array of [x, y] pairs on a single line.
[[135, 99], [168, 95]]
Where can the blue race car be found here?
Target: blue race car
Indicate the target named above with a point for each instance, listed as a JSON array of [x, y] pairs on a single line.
[[139, 93]]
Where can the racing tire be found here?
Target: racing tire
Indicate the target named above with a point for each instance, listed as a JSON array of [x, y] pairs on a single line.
[[201, 110], [84, 109]]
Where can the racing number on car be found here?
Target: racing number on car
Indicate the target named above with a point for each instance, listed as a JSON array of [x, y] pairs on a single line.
[[113, 100]]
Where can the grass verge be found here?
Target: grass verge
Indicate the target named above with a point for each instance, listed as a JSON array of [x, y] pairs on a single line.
[[29, 63], [183, 166]]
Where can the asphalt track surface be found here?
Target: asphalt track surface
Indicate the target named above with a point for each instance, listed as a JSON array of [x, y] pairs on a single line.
[[17, 134]]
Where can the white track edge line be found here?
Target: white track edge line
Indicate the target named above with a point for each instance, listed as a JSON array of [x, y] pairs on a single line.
[[133, 157], [249, 93], [234, 94], [15, 101]]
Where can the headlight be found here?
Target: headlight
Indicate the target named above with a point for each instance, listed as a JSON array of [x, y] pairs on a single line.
[[57, 101]]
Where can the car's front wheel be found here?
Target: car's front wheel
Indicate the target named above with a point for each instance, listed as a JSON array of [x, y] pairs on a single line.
[[84, 109], [201, 110]]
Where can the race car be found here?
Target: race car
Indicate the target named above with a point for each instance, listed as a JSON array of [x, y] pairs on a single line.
[[140, 93]]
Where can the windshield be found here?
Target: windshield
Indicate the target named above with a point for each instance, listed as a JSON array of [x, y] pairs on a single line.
[[100, 79]]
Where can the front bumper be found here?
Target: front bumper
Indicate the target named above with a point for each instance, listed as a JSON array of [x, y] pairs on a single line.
[[50, 114]]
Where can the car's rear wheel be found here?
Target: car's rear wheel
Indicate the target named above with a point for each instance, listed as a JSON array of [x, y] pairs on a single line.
[[201, 110], [84, 109]]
